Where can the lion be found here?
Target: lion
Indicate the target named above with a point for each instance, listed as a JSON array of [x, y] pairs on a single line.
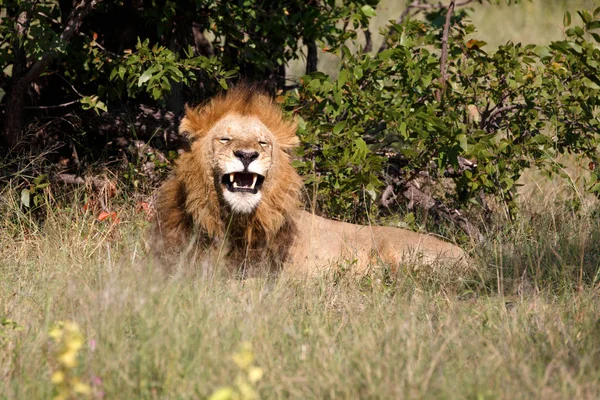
[[234, 200]]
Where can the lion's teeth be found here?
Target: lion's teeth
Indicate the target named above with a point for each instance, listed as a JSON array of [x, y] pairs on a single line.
[[235, 184], [231, 176], [254, 178]]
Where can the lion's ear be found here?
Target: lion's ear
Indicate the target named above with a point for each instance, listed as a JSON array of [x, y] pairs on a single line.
[[191, 125], [287, 137]]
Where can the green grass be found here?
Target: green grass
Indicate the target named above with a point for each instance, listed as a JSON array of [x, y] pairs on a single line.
[[527, 327]]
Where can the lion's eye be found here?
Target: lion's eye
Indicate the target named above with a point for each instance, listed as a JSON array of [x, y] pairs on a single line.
[[224, 140], [262, 143]]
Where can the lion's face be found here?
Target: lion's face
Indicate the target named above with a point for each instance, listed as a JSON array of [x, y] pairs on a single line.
[[242, 156], [239, 162]]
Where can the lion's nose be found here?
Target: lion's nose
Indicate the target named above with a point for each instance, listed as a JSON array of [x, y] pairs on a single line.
[[246, 157]]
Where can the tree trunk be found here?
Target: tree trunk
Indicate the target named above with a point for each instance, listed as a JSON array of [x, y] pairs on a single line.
[[13, 115], [15, 99], [22, 76], [311, 57]]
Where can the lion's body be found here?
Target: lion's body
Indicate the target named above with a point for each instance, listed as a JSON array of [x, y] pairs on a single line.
[[234, 199], [321, 242]]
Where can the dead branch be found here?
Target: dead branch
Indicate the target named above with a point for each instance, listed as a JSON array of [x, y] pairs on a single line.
[[103, 187], [71, 179], [417, 197], [463, 165], [388, 196]]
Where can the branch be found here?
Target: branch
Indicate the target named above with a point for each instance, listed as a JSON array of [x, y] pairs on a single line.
[[73, 24], [368, 41], [104, 187], [490, 118], [425, 201], [444, 56], [68, 103], [312, 57], [72, 179], [388, 196]]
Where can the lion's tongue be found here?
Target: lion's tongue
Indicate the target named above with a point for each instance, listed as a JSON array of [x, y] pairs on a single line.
[[244, 180]]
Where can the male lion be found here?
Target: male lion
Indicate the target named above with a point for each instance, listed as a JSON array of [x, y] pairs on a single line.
[[234, 199]]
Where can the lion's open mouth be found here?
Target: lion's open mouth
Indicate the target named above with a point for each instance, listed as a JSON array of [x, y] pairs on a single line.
[[245, 182]]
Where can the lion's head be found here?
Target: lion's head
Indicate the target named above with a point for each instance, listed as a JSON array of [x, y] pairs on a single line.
[[237, 178]]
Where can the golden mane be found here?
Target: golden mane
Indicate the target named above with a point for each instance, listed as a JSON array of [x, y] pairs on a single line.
[[189, 205]]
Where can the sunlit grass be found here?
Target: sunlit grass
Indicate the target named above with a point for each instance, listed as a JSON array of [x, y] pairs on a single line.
[[528, 328]]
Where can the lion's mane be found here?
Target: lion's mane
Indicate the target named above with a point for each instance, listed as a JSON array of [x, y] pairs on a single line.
[[191, 211]]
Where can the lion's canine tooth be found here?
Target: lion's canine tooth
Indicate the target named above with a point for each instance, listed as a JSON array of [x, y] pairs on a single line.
[[254, 178], [231, 176], [235, 184]]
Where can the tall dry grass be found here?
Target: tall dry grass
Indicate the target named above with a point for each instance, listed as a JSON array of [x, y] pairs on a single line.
[[526, 328]]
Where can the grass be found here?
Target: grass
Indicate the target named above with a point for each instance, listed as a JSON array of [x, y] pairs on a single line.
[[528, 327]]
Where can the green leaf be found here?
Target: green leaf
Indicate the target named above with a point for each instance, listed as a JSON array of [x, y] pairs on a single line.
[[342, 78], [339, 127], [587, 82], [567, 19], [298, 164], [426, 79], [39, 179], [462, 139], [585, 16], [593, 25], [26, 198], [368, 11], [145, 77], [358, 73]]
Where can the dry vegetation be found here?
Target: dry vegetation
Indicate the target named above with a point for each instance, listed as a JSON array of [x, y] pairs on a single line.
[[527, 326]]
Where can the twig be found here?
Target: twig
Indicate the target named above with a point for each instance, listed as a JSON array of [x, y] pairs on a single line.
[[388, 196], [69, 83], [52, 106], [72, 179], [417, 197], [444, 56], [489, 119], [98, 45], [49, 18]]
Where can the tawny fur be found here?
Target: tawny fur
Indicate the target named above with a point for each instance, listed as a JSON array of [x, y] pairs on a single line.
[[192, 213]]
